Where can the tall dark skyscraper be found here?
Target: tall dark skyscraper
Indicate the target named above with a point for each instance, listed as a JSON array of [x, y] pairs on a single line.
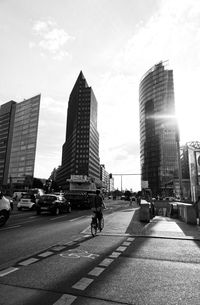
[[159, 140], [18, 138], [80, 154]]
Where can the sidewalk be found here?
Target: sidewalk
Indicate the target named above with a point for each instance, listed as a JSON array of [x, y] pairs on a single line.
[[127, 222]]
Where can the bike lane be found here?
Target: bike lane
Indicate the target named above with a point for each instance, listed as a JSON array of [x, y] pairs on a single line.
[[65, 271]]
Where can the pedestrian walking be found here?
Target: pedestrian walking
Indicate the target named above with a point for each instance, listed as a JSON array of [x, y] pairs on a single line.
[[198, 209]]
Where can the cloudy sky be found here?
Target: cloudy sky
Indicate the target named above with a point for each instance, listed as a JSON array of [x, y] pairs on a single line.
[[45, 44]]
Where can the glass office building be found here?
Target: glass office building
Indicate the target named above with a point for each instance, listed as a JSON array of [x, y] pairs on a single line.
[[80, 154], [159, 138], [18, 138], [7, 114]]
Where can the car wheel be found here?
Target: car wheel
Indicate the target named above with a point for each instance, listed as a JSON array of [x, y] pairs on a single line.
[[38, 212], [3, 218], [19, 209], [69, 209], [33, 207], [57, 211]]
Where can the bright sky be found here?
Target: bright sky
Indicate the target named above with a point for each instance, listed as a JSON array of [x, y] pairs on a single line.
[[45, 44]]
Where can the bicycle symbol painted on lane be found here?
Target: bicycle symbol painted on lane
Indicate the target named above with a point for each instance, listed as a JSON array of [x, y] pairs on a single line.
[[78, 254]]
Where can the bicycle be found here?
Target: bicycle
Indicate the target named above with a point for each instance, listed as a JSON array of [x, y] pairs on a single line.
[[96, 225]]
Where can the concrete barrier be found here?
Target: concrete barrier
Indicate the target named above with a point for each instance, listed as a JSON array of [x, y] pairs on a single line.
[[187, 213], [145, 213]]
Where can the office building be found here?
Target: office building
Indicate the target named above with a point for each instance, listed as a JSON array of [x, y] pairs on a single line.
[[18, 138], [80, 153], [159, 137], [7, 114]]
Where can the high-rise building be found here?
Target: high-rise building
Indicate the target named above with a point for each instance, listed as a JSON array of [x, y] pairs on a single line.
[[80, 153], [7, 114], [159, 136], [18, 138]]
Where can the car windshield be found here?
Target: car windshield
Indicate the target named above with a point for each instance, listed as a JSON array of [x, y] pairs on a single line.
[[48, 197], [26, 196]]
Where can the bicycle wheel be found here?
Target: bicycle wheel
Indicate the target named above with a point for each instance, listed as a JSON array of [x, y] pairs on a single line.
[[93, 229], [101, 224]]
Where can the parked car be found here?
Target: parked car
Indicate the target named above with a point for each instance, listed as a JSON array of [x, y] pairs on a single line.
[[52, 203], [4, 209], [27, 201], [169, 199]]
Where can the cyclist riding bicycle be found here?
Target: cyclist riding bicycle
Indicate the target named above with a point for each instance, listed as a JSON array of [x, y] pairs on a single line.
[[98, 206]]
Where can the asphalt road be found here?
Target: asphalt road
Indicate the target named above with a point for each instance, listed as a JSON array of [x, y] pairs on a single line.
[[53, 260]]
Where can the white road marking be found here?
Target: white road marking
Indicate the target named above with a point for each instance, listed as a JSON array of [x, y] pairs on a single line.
[[28, 261], [45, 254], [7, 271], [106, 262], [58, 248], [78, 218], [8, 228], [96, 271], [70, 243], [78, 239], [57, 217], [130, 239], [125, 243], [121, 249], [78, 253], [21, 223], [114, 255], [66, 299], [83, 283], [33, 217]]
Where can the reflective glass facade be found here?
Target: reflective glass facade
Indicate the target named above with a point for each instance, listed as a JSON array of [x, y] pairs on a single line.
[[7, 113], [80, 155], [159, 139], [23, 149]]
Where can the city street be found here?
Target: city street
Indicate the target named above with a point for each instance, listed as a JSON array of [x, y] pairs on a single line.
[[54, 260]]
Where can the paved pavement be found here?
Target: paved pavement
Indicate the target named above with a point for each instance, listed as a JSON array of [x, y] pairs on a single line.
[[159, 267], [128, 222], [154, 263]]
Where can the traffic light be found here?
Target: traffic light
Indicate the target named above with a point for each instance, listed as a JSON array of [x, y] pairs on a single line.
[[110, 176]]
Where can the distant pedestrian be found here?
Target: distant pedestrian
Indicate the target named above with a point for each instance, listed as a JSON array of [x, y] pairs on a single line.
[[198, 209]]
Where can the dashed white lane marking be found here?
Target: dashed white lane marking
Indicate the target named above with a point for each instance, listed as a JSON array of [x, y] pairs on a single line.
[[125, 243], [74, 219], [27, 221], [28, 261], [106, 262], [78, 239], [83, 283], [7, 271], [130, 239], [45, 254], [58, 217], [86, 230], [70, 243], [66, 299], [121, 249], [114, 254], [58, 248], [8, 228], [96, 271]]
